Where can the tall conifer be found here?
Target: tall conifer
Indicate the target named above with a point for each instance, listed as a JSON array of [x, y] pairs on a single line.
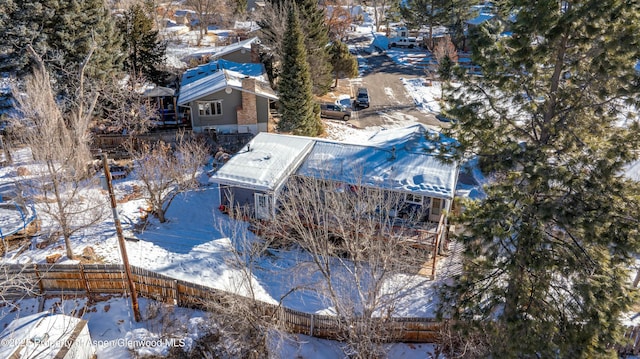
[[144, 50], [300, 113], [343, 62], [313, 20], [62, 32], [315, 34], [548, 251]]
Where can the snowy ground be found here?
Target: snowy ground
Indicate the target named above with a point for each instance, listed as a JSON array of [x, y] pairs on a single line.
[[197, 245]]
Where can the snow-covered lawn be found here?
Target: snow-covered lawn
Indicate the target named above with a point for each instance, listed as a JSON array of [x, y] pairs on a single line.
[[200, 244]]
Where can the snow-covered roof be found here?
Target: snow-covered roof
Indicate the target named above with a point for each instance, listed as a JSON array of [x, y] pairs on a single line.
[[202, 87], [159, 91], [218, 52], [480, 19], [217, 75], [265, 162], [42, 335], [414, 138], [246, 25], [400, 160], [394, 166]]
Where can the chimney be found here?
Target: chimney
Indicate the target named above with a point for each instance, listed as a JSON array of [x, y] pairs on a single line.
[[247, 114]]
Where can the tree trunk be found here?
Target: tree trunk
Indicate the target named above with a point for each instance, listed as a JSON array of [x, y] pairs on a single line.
[[161, 215], [67, 243]]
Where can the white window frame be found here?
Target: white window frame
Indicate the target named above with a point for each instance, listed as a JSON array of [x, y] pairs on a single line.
[[262, 205], [414, 198], [210, 108]]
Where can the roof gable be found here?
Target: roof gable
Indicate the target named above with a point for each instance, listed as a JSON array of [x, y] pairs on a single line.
[[265, 162], [217, 75]]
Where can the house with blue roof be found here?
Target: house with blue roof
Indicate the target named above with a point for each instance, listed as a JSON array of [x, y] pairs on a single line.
[[227, 97]]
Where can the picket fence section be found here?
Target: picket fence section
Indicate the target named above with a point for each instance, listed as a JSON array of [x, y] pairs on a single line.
[[94, 279]]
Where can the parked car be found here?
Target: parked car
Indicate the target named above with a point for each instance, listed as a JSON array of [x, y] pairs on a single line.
[[332, 110], [362, 97], [409, 42]]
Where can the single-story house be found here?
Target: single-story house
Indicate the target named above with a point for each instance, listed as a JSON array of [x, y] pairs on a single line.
[[400, 160], [46, 335], [227, 97]]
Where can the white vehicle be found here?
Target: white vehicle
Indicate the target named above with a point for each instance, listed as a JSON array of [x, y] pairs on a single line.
[[409, 42]]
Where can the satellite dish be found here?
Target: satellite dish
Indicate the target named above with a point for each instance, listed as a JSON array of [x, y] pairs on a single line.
[[228, 90]]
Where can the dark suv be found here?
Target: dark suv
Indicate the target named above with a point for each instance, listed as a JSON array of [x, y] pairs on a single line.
[[362, 97]]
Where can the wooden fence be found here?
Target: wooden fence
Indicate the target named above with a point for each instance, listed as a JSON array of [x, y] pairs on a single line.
[[93, 279]]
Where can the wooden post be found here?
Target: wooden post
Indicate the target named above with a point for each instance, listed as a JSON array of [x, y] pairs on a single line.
[[435, 247], [40, 285], [84, 279], [176, 292], [123, 248]]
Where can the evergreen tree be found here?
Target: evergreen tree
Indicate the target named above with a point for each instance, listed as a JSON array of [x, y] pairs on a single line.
[[433, 13], [300, 113], [79, 25], [62, 32], [316, 38], [425, 12], [548, 251], [317, 43], [144, 50], [23, 23], [343, 62]]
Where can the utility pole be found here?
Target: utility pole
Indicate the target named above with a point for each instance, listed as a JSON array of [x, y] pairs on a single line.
[[123, 248]]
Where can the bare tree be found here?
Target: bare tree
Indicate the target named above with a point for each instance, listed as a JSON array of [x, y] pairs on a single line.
[[379, 12], [125, 109], [15, 283], [339, 22], [58, 136], [205, 10], [364, 247], [166, 172], [272, 31]]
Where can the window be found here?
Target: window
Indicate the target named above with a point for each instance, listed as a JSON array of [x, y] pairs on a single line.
[[211, 108], [262, 206], [262, 201], [413, 198]]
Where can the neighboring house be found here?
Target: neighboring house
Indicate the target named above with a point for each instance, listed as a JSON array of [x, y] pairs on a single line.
[[45, 335], [242, 52], [227, 97], [400, 160]]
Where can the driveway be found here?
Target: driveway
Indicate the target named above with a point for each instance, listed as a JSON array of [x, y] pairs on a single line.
[[390, 102]]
